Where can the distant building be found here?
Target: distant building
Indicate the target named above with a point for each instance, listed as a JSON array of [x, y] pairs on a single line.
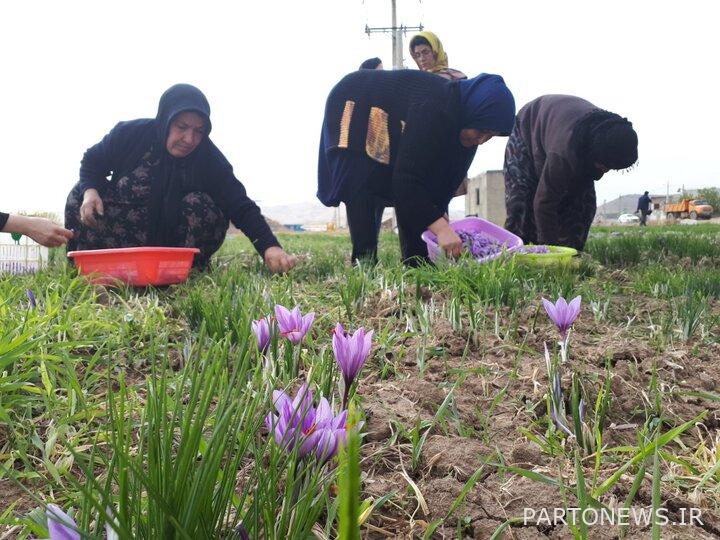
[[389, 221], [657, 204], [316, 227], [485, 197]]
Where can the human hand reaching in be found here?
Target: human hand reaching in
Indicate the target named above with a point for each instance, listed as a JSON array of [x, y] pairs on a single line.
[[43, 231], [447, 239], [91, 207], [278, 261]]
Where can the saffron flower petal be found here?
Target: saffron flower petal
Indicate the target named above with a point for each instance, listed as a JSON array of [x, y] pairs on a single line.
[[262, 330], [60, 525], [562, 313], [316, 430], [31, 298], [292, 324], [351, 352]]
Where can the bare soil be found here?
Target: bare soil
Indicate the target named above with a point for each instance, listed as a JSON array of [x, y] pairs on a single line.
[[499, 392]]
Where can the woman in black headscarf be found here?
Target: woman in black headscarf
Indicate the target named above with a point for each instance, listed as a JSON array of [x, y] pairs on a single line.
[[169, 186], [405, 139], [559, 146], [372, 63]]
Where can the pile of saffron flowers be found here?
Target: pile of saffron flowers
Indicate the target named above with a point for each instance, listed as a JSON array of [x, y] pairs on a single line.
[[533, 249], [479, 244]]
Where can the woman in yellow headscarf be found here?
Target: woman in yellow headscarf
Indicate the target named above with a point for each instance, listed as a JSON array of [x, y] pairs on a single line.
[[429, 55]]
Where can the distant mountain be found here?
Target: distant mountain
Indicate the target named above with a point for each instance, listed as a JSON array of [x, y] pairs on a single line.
[[314, 213], [622, 205], [627, 204], [303, 213]]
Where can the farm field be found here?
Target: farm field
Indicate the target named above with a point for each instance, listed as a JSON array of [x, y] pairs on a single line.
[[149, 408]]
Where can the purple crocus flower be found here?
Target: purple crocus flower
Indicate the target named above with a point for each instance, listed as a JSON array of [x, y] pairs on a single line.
[[261, 328], [562, 313], [294, 419], [31, 298], [60, 525], [241, 531], [299, 424], [351, 352], [329, 431], [292, 324]]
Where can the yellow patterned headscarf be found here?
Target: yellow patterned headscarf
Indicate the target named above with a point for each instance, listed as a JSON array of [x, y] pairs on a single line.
[[435, 44]]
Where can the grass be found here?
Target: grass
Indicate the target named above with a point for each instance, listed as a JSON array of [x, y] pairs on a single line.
[[145, 409]]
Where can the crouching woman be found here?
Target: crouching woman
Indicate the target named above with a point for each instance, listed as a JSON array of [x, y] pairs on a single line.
[[168, 185], [405, 139], [559, 147]]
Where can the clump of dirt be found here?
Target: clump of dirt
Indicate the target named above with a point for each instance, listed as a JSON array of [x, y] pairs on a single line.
[[458, 457], [405, 401], [11, 493]]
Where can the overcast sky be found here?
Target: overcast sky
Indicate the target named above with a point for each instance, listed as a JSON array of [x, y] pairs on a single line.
[[71, 70]]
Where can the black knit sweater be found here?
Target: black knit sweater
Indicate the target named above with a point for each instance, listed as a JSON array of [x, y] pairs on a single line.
[[423, 124], [3, 220]]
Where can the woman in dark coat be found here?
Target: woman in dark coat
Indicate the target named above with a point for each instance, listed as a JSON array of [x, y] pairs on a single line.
[[405, 139], [169, 186], [559, 147]]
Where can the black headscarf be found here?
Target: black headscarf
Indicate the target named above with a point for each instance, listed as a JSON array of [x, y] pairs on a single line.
[[178, 99], [605, 138], [371, 63], [175, 176]]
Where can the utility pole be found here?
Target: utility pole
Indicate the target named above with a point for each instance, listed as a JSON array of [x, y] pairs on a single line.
[[397, 33], [396, 40]]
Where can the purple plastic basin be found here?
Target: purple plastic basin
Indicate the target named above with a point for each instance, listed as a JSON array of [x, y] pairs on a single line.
[[474, 225]]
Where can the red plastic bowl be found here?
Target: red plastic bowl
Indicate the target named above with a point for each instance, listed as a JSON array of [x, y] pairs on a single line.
[[137, 266]]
